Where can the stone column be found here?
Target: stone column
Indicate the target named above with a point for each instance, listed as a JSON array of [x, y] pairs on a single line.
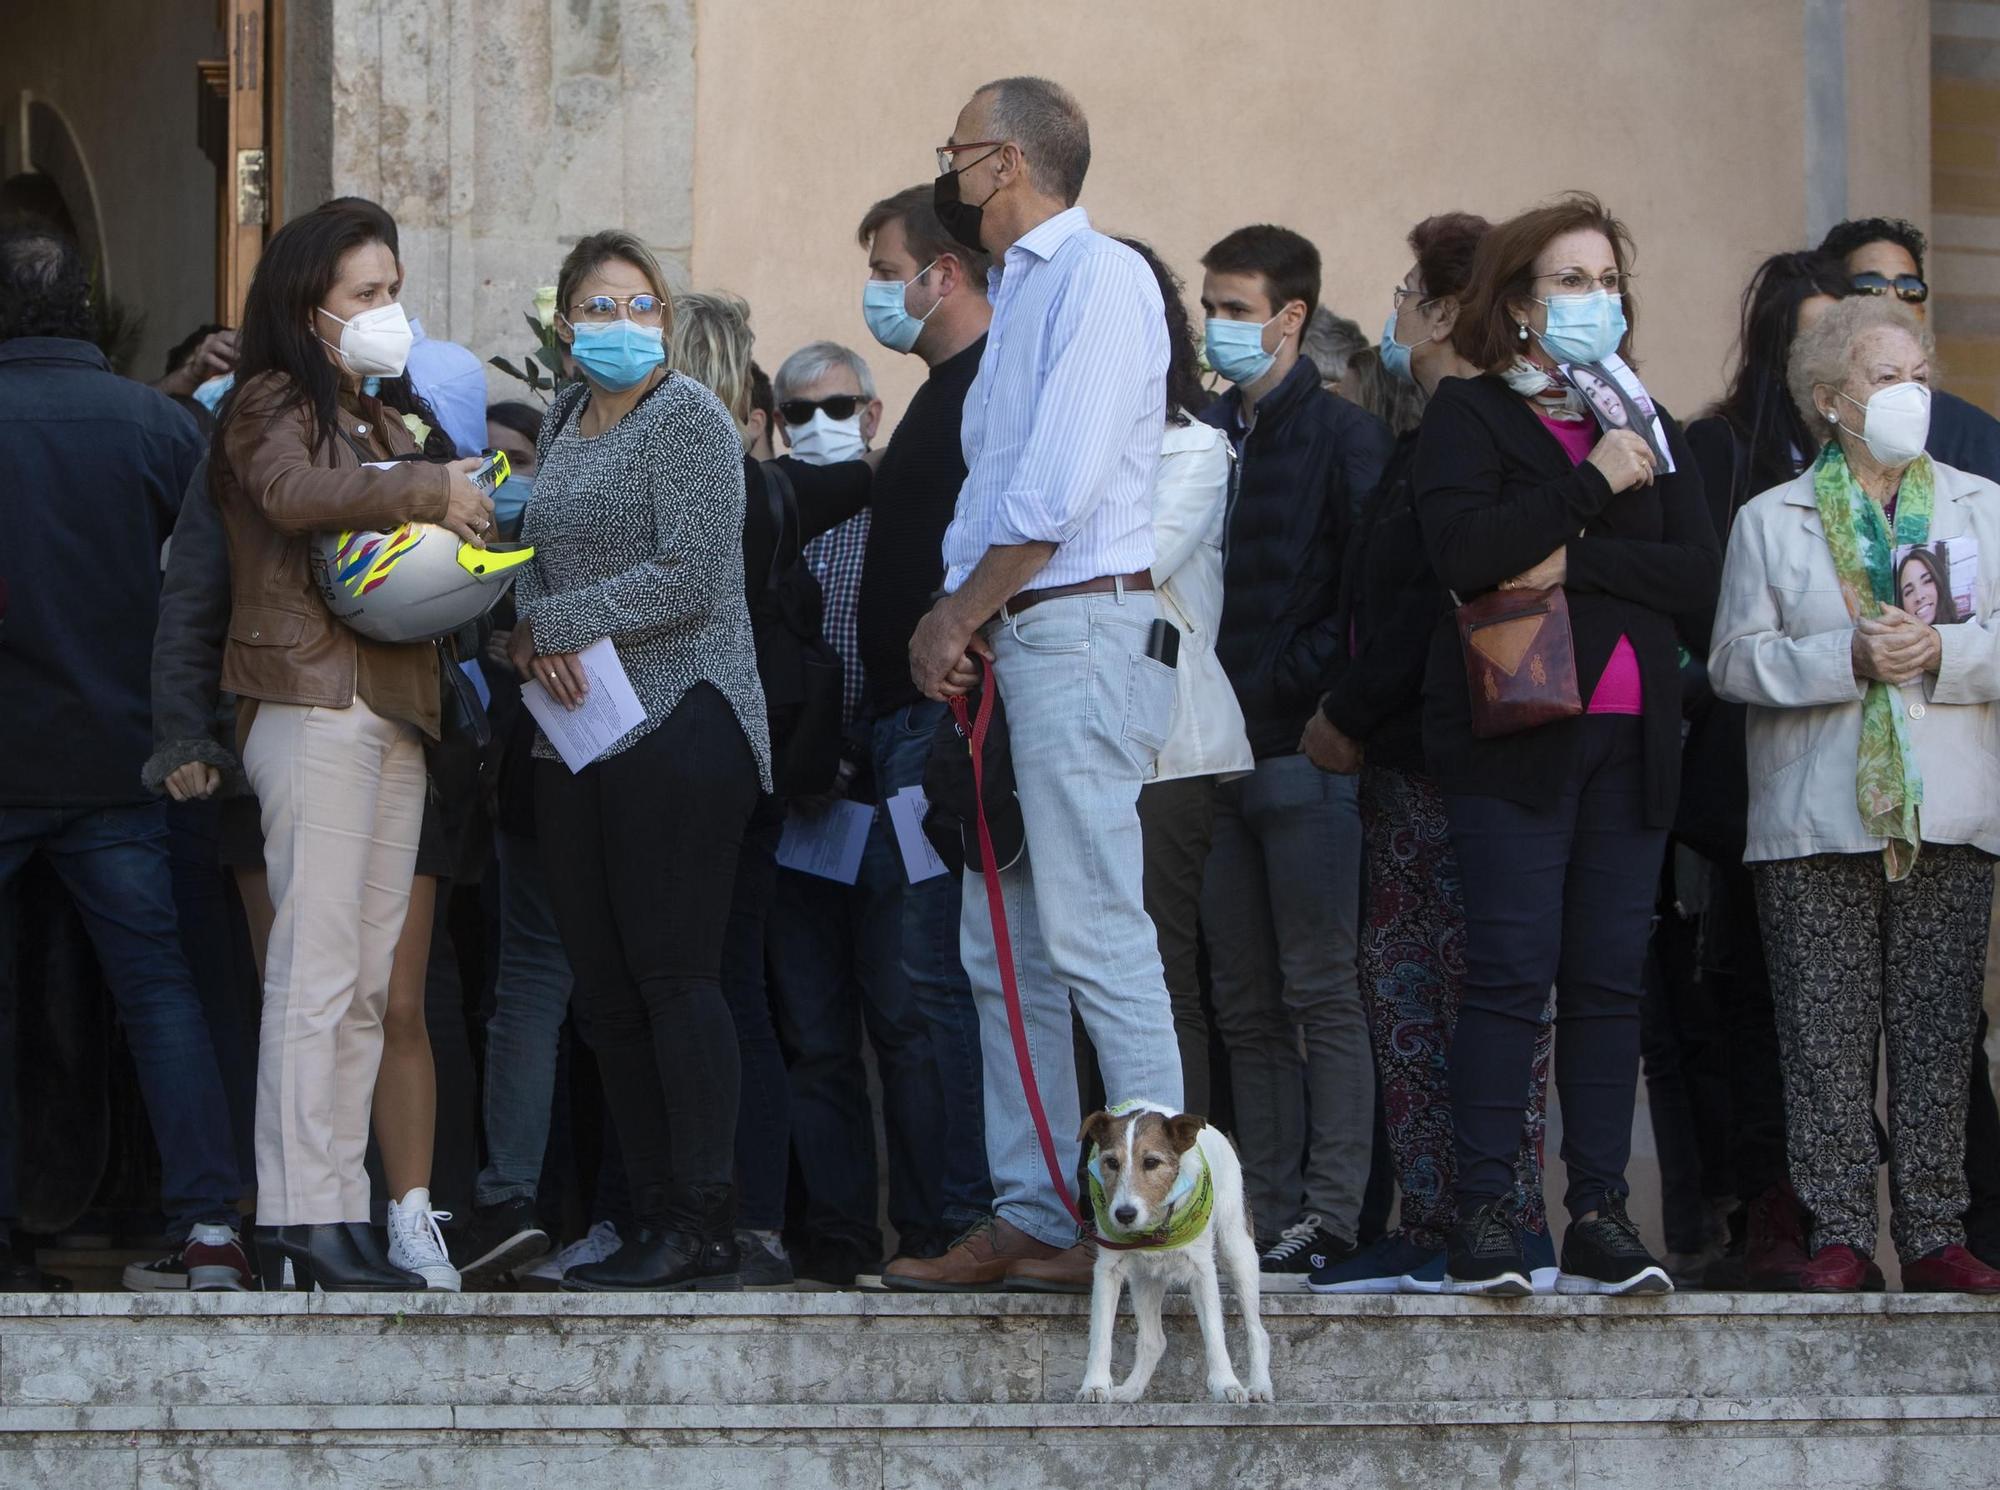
[[500, 131]]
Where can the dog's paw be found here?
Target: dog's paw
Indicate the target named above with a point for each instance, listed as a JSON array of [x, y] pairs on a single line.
[[1260, 1391], [1094, 1391], [1127, 1392], [1230, 1390]]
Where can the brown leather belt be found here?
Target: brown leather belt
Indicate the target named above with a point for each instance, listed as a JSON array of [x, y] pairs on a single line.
[[1104, 584]]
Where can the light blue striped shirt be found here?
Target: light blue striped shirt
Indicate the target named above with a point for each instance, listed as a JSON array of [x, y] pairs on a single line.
[[1062, 424]]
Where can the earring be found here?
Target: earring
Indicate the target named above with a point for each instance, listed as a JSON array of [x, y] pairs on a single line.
[[1524, 329]]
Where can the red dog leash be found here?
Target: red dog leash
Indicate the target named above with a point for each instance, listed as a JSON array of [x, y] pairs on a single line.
[[974, 728]]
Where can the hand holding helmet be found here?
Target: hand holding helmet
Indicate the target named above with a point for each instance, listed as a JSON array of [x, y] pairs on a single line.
[[468, 510]]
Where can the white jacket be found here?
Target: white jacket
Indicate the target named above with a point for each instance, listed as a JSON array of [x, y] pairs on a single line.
[[1782, 645], [1190, 498]]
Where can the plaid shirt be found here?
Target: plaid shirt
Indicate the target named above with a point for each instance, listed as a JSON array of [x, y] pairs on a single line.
[[835, 559]]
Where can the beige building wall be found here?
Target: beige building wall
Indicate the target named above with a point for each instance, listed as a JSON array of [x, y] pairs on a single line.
[[1346, 119]]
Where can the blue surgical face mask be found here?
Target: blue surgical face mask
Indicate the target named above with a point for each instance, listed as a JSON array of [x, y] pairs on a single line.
[[510, 503], [1395, 356], [1584, 328], [1236, 349], [888, 319], [211, 394], [616, 355]]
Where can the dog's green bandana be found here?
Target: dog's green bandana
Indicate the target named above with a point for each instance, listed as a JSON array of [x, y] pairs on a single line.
[[1189, 1204]]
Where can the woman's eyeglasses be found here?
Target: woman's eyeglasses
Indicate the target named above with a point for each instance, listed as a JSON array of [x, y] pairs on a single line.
[[1576, 282], [840, 406], [1908, 288], [645, 309]]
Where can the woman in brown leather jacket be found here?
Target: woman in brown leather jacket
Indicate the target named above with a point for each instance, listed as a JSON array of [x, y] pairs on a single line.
[[332, 725]]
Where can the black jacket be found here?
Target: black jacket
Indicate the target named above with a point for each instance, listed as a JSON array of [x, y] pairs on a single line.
[[94, 466], [1390, 604], [191, 719], [1282, 545], [1497, 494], [1964, 436]]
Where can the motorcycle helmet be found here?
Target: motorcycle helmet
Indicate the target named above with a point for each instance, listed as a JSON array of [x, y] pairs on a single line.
[[413, 583]]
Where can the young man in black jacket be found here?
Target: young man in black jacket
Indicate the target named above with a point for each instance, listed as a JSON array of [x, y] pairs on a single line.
[[1282, 898], [96, 466]]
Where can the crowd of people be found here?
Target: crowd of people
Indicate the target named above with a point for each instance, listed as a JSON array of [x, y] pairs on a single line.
[[1379, 729]]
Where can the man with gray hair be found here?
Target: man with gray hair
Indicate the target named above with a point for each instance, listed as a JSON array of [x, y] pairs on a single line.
[[1048, 583], [835, 950]]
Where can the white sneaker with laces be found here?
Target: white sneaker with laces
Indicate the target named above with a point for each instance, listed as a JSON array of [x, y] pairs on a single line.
[[593, 1246], [416, 1243]]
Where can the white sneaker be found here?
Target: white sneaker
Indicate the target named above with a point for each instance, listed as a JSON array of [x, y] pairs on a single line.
[[593, 1246], [416, 1243]]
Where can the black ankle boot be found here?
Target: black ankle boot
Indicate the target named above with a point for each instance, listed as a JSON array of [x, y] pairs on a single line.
[[686, 1242], [337, 1257]]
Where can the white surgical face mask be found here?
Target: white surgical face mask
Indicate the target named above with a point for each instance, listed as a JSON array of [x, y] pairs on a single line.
[[822, 441], [1896, 422], [376, 343]]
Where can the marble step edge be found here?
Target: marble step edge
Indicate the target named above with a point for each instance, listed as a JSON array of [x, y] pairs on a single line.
[[507, 1309], [1847, 1414]]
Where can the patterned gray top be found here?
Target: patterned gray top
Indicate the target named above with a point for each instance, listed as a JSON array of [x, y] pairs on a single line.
[[638, 536]]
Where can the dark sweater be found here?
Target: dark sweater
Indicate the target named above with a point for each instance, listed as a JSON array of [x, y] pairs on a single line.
[[95, 466], [1281, 549], [1496, 495], [1390, 604], [916, 493]]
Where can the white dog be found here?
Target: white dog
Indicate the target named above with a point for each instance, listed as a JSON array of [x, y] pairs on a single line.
[[1172, 1186]]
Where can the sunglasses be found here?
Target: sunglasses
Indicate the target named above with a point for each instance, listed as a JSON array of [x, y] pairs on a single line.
[[1907, 287], [840, 406]]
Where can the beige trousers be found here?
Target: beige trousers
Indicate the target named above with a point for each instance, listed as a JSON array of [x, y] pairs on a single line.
[[342, 793]]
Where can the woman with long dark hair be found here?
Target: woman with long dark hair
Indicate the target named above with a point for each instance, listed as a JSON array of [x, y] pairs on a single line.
[[1560, 827], [1207, 741], [332, 723], [1712, 962]]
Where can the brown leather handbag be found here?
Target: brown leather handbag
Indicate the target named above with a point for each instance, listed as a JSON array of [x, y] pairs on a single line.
[[1520, 660]]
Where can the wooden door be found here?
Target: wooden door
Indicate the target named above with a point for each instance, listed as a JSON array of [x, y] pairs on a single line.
[[240, 103]]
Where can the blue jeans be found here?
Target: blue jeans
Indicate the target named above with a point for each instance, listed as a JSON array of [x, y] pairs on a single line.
[[530, 999], [938, 985], [114, 862], [1088, 712], [1281, 904], [836, 964]]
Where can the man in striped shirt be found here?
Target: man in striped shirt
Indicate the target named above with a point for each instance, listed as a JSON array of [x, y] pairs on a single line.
[[1048, 581]]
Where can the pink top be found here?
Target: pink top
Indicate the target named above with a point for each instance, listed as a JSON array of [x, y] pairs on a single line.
[[1618, 688]]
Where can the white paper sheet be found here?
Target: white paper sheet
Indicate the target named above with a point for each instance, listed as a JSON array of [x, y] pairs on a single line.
[[828, 844], [906, 816], [609, 712]]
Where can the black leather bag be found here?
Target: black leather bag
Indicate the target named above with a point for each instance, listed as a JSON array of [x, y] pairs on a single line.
[[801, 672], [951, 821]]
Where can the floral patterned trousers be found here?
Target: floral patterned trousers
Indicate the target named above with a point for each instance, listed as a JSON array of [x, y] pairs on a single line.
[[1412, 976], [1853, 957]]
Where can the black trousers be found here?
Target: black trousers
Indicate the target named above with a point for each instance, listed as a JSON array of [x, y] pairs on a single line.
[[1564, 897], [640, 853]]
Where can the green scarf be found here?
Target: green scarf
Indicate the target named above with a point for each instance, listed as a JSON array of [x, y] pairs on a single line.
[[1887, 785], [1189, 1204]]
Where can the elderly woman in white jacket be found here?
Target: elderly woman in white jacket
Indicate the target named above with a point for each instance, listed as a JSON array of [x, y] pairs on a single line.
[[1207, 742], [1874, 755]]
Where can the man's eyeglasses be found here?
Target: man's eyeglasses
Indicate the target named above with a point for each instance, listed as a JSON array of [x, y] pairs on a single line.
[[945, 153], [839, 406], [1404, 292], [645, 309], [1576, 282], [1908, 288]]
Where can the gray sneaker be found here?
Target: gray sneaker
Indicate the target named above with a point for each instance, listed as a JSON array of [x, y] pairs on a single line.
[[766, 1264]]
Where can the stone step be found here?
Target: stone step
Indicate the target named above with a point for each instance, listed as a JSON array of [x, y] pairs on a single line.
[[834, 1390]]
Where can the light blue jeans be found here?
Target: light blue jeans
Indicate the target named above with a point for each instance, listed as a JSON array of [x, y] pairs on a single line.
[[1087, 711]]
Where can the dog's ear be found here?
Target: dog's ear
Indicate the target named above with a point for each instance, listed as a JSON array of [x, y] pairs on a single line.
[[1095, 1127], [1184, 1130]]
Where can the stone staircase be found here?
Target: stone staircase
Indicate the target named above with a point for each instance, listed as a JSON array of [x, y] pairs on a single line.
[[841, 1391]]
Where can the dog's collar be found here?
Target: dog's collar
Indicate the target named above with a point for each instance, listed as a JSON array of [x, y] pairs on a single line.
[[1190, 1204]]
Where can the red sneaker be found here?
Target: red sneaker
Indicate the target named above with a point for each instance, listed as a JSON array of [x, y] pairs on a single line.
[[1774, 1254], [1949, 1270], [1840, 1270], [211, 1260]]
